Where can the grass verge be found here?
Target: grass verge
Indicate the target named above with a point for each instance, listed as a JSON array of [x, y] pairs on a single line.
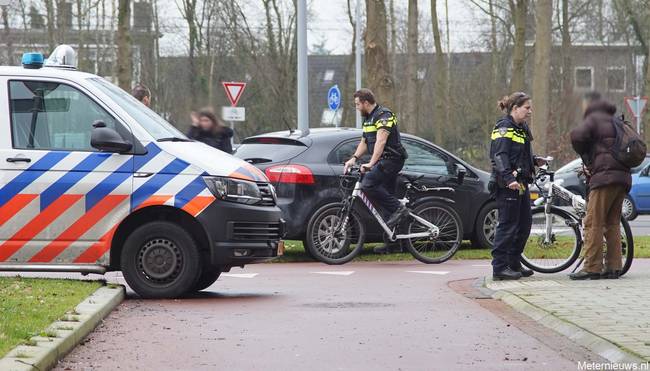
[[296, 253], [29, 305]]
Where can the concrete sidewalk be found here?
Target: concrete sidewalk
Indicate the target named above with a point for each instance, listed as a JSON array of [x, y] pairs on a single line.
[[611, 317]]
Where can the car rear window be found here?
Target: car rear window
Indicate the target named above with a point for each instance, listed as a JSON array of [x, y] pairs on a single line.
[[262, 150]]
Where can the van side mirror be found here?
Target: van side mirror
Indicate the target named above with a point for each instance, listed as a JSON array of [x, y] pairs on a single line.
[[461, 171], [106, 139]]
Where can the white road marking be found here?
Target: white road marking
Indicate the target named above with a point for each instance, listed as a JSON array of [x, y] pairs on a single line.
[[336, 273], [481, 265], [239, 275], [440, 273]]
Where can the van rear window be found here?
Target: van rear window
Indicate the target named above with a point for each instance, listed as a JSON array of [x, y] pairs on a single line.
[[263, 150]]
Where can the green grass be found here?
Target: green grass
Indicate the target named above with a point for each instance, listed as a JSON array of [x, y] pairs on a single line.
[[29, 305], [294, 252]]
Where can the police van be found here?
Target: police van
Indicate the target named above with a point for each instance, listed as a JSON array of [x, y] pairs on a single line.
[[92, 181]]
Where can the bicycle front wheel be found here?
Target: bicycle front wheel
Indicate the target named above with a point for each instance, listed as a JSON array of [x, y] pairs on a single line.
[[434, 250], [328, 240], [554, 242], [627, 244]]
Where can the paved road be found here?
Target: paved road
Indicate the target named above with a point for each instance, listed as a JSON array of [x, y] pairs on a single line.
[[361, 316], [641, 226]]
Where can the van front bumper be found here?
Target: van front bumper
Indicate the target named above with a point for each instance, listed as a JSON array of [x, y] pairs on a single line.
[[242, 234]]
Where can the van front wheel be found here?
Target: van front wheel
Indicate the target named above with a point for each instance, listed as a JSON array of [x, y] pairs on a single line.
[[161, 260]]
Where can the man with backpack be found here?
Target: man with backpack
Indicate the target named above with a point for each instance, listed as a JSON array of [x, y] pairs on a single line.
[[608, 147]]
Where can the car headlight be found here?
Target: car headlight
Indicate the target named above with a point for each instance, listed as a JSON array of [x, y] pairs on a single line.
[[234, 190]]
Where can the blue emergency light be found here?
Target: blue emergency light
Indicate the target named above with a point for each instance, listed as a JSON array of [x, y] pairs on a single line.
[[33, 60]]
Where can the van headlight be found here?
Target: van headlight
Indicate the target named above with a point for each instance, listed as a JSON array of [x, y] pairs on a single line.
[[234, 190]]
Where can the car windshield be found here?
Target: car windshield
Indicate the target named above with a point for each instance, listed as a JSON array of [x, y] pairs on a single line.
[[574, 165], [148, 119]]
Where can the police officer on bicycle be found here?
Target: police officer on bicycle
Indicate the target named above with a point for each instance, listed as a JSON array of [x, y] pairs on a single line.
[[513, 169], [381, 138]]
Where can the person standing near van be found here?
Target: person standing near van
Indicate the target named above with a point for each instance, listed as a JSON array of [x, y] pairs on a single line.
[[512, 161], [608, 181], [210, 131], [143, 94]]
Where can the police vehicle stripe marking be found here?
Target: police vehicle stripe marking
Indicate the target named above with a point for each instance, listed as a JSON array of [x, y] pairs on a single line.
[[75, 231], [14, 205], [198, 204], [71, 178], [186, 194], [29, 175], [120, 175], [36, 225], [94, 252], [156, 182]]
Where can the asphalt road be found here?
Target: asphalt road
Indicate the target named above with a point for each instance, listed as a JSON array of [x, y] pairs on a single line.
[[309, 316], [641, 226]]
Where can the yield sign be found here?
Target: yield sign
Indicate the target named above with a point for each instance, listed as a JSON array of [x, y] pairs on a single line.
[[234, 91], [636, 105]]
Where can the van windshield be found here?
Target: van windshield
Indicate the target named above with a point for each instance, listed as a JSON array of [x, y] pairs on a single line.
[[148, 119]]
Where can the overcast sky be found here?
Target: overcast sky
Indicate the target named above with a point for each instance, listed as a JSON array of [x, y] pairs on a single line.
[[329, 23]]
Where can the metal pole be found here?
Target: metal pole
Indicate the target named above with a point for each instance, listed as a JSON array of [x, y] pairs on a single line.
[[637, 102], [303, 83], [357, 67]]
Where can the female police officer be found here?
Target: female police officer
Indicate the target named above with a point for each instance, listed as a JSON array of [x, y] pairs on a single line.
[[512, 170]]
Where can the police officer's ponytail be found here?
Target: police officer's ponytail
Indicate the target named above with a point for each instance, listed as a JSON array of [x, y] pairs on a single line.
[[508, 102]]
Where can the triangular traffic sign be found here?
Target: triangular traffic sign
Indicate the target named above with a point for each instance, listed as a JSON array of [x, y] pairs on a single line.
[[234, 91], [636, 105]]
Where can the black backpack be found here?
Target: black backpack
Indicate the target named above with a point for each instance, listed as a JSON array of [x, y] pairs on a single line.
[[629, 148]]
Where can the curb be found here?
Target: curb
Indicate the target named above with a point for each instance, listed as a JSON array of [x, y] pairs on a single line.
[[577, 334], [70, 331]]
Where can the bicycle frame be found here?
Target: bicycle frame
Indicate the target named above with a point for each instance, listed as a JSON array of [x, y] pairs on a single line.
[[433, 231]]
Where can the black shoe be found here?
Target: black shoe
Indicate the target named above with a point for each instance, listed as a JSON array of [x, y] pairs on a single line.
[[611, 275], [584, 275], [506, 274], [525, 272], [397, 216]]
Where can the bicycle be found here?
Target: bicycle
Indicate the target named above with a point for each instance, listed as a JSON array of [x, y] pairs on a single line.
[[556, 234], [432, 231]]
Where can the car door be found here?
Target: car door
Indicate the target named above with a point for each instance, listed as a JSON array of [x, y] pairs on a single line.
[[641, 189], [60, 199], [439, 169]]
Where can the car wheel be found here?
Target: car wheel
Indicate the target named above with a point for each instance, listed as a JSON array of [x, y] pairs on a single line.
[[161, 260], [486, 225], [209, 275], [628, 211]]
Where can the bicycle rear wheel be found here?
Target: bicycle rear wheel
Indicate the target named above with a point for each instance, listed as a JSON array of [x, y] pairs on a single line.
[[554, 242], [442, 248], [627, 244]]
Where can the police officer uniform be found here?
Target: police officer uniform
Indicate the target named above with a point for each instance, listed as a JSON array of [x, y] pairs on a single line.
[[511, 151], [380, 182]]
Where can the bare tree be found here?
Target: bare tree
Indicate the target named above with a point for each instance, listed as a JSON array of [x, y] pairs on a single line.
[[124, 45], [542, 72], [519, 10], [379, 76], [410, 122], [440, 76]]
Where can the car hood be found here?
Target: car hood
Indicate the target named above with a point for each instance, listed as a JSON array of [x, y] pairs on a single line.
[[203, 159]]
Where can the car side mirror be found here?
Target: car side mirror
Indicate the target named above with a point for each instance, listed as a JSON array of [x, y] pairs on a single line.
[[106, 139], [461, 171]]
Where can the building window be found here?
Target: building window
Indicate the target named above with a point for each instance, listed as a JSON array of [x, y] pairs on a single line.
[[584, 78], [422, 73], [616, 79], [328, 76]]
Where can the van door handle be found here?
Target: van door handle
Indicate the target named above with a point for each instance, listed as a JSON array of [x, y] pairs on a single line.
[[19, 159]]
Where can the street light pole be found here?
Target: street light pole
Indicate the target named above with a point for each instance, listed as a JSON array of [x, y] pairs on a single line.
[[303, 83], [357, 67]]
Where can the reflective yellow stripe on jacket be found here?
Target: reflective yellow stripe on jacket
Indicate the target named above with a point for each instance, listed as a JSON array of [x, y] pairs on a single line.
[[512, 134], [369, 127]]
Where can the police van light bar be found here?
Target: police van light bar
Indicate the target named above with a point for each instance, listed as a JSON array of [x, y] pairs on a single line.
[[63, 56], [32, 60]]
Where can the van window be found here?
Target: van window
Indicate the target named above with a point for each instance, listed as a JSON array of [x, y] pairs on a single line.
[[54, 116]]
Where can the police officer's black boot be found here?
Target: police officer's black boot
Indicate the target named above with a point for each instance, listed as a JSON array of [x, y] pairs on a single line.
[[506, 274], [388, 248], [525, 272], [397, 216]]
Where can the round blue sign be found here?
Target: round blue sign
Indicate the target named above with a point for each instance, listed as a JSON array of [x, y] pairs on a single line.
[[334, 98]]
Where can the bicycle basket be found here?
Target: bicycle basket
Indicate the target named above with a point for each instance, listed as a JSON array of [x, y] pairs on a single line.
[[347, 182]]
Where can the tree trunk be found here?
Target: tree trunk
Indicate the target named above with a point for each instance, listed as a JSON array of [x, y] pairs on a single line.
[[519, 10], [124, 44], [494, 70], [542, 73], [49, 9], [410, 122], [379, 77], [7, 35], [567, 72], [440, 72]]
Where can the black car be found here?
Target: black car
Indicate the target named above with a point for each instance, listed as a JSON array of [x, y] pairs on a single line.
[[305, 172]]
